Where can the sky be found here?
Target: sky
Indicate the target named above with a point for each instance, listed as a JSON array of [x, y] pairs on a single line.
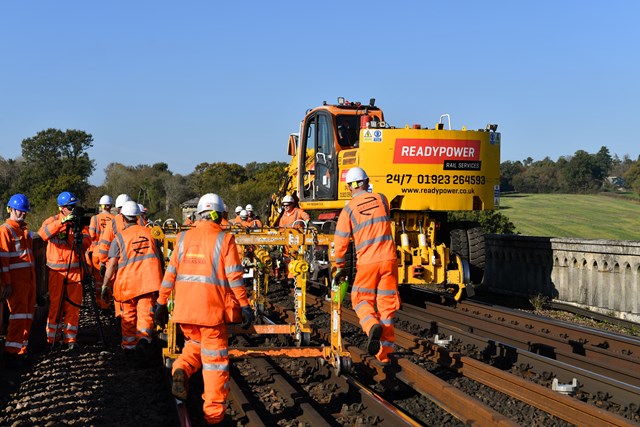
[[220, 81]]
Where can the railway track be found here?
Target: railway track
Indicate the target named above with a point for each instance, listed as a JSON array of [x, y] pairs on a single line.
[[476, 380]]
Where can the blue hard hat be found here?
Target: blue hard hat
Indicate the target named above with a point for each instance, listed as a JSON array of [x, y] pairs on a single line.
[[19, 202], [66, 199]]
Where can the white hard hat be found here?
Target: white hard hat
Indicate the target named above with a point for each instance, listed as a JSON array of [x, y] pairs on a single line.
[[121, 199], [238, 209], [287, 199], [210, 202], [226, 208], [105, 200], [356, 175], [244, 214], [249, 207], [142, 208], [130, 208]]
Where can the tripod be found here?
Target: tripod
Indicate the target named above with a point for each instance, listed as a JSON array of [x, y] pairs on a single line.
[[86, 279]]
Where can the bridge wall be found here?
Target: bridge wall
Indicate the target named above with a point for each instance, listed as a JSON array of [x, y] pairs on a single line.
[[602, 275]]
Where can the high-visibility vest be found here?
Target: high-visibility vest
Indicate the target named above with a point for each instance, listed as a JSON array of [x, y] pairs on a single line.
[[367, 220], [203, 272], [60, 250], [97, 226], [289, 219], [16, 253], [139, 263], [114, 226]]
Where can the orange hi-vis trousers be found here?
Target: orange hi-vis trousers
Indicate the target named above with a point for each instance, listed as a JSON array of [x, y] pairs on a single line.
[[136, 320], [375, 299], [70, 314], [206, 347], [21, 303]]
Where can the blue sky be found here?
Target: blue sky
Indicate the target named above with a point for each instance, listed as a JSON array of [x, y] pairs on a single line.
[[209, 81]]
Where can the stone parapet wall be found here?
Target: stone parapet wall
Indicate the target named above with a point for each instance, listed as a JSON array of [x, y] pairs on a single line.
[[602, 275]]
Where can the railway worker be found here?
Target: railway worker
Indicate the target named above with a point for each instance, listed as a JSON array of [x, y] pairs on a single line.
[[237, 220], [65, 274], [205, 276], [96, 228], [374, 295], [136, 257], [225, 218], [253, 217], [247, 222], [143, 215], [292, 217], [17, 280]]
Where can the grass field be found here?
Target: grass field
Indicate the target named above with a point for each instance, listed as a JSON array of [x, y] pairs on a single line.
[[572, 215]]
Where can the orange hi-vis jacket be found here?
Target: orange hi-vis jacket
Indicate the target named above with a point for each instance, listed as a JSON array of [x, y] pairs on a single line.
[[60, 253], [114, 226], [251, 223], [97, 226], [139, 263], [366, 218], [204, 268], [16, 255], [293, 219]]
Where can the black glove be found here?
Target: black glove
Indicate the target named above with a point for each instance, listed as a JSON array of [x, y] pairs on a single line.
[[105, 293], [160, 315], [41, 300], [247, 317], [103, 270]]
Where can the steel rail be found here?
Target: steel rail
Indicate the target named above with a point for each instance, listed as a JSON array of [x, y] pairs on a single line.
[[524, 333], [561, 406]]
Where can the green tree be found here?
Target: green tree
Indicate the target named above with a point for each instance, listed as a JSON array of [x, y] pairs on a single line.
[[632, 177], [55, 161], [493, 222], [584, 172]]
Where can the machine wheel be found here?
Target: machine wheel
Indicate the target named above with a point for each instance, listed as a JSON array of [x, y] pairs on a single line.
[[476, 254], [343, 366], [467, 240], [303, 339]]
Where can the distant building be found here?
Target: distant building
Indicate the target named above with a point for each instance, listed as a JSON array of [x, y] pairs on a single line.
[[188, 208], [616, 181]]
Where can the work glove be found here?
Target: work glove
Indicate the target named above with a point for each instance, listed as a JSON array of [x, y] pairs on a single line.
[[5, 291], [103, 270], [340, 273], [161, 315], [247, 317], [68, 218], [105, 293]]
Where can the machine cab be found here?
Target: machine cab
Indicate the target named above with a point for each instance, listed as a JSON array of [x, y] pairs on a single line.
[[324, 133]]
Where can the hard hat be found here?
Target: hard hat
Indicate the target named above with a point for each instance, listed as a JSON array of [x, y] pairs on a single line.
[[238, 209], [226, 208], [130, 208], [66, 199], [121, 199], [142, 208], [210, 202], [249, 207], [356, 175], [244, 214], [19, 202], [287, 199], [105, 200]]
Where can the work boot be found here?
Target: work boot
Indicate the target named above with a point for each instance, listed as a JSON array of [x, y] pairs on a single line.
[[143, 352], [180, 384], [373, 343], [72, 347]]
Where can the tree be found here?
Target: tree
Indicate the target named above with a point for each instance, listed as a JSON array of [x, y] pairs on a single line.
[[583, 172], [55, 161]]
